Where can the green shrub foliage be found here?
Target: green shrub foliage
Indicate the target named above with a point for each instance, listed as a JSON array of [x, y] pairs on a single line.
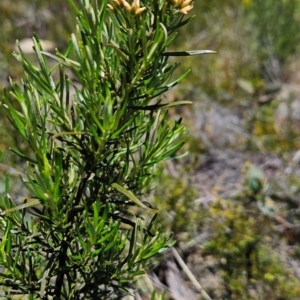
[[96, 124]]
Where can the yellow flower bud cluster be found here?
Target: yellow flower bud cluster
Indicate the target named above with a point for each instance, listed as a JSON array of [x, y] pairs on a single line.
[[184, 6], [135, 8]]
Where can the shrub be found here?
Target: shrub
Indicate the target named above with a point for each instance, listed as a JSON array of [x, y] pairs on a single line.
[[97, 129]]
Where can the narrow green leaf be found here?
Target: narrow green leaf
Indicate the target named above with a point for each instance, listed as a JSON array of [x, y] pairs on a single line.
[[111, 232], [130, 195], [23, 156], [160, 106], [22, 206], [189, 53], [110, 245]]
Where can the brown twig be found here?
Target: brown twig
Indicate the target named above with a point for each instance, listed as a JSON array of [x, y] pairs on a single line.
[[190, 275]]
